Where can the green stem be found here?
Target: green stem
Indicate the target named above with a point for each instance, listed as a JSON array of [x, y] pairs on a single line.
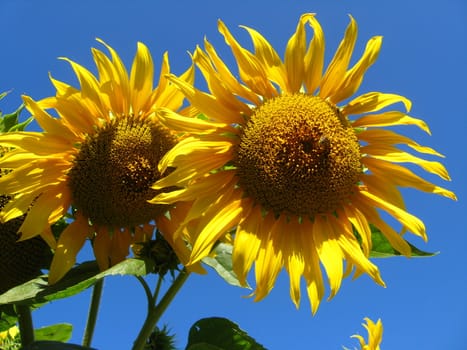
[[92, 314], [158, 288], [147, 291], [26, 329], [155, 313]]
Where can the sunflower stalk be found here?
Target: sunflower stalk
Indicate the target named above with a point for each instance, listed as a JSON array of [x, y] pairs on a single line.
[[158, 310], [93, 311], [26, 328]]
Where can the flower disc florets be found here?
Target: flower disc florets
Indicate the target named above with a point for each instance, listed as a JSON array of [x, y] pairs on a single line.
[[113, 172], [298, 156]]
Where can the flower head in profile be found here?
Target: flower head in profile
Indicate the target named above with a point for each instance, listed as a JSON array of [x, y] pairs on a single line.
[[299, 174], [96, 158], [375, 335]]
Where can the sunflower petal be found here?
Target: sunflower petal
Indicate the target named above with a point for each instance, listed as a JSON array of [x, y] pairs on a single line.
[[69, 244], [141, 78], [392, 154], [411, 222], [314, 57], [294, 54], [271, 61], [335, 72], [390, 118], [373, 101], [354, 77], [250, 68], [219, 224], [329, 253], [246, 245], [270, 260], [388, 137], [401, 176]]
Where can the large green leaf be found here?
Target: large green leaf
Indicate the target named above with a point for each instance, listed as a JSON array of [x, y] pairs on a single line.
[[381, 248], [222, 263], [58, 332], [78, 279], [218, 333]]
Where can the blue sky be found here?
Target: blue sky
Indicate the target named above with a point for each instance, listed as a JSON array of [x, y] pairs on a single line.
[[424, 58]]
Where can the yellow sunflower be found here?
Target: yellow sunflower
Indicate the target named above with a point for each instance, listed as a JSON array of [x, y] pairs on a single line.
[[375, 335], [96, 159], [275, 157]]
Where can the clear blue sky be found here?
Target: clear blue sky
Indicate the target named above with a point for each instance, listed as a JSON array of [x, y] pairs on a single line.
[[424, 57]]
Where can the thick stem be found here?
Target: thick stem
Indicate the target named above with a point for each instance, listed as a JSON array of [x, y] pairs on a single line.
[[92, 314], [26, 329], [156, 312]]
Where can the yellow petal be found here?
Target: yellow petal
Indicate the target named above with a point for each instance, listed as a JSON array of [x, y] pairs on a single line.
[[247, 242], [382, 136], [411, 222], [269, 260], [390, 118], [120, 75], [381, 187], [314, 57], [344, 236], [294, 258], [335, 72], [37, 219], [207, 103], [177, 122], [218, 225], [294, 57], [401, 176], [195, 190], [202, 161], [46, 121], [269, 58], [217, 87], [359, 221], [69, 244], [312, 271], [250, 68], [167, 94], [17, 206], [89, 84], [141, 78], [396, 241], [228, 78], [392, 154], [373, 101], [354, 77], [329, 253]]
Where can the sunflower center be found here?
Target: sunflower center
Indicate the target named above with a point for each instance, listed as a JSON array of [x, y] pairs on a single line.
[[113, 172], [297, 155]]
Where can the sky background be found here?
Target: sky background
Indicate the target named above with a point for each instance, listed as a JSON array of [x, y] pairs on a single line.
[[424, 57]]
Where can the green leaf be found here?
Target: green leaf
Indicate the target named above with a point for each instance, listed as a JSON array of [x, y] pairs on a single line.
[[54, 345], [8, 317], [222, 264], [3, 94], [383, 249], [218, 333], [58, 332], [76, 280], [10, 122]]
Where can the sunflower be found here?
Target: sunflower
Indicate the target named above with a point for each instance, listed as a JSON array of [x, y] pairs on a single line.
[[275, 157], [375, 335], [96, 159]]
